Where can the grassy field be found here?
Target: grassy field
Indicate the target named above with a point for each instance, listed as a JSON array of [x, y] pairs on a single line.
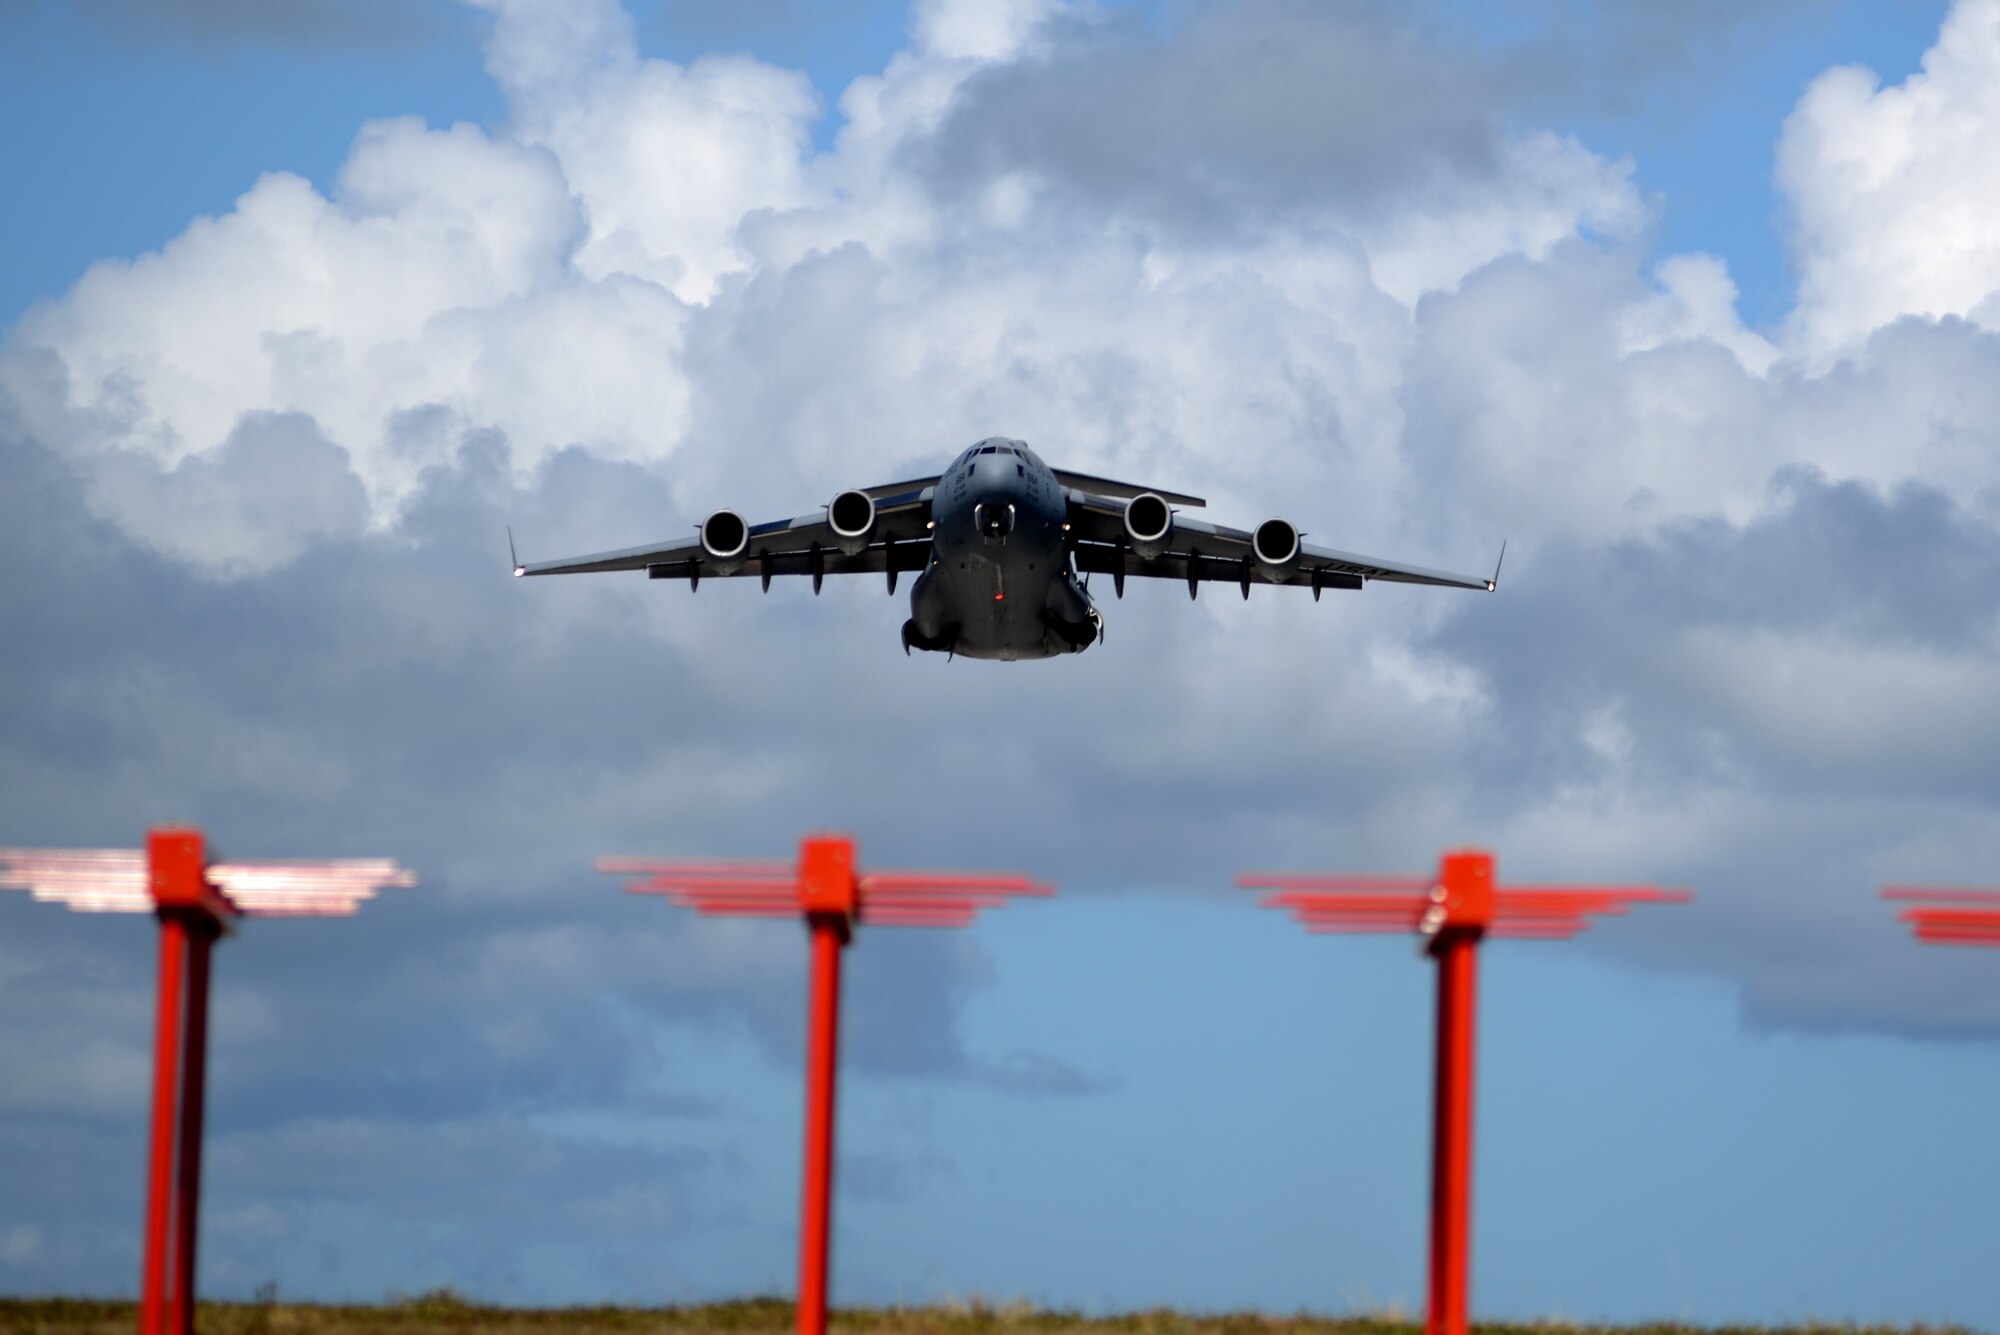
[[452, 1315]]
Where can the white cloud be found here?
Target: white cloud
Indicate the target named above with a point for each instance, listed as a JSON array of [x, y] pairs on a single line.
[[1742, 637], [1548, 188], [1696, 300], [619, 266], [979, 29], [666, 160], [650, 263], [1895, 189]]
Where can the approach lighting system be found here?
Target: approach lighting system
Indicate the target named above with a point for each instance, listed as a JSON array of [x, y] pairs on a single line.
[[1451, 913], [195, 902], [1949, 915], [833, 897]]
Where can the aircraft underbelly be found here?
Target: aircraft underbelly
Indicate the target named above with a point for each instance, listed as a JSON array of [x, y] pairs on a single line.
[[1000, 606], [1000, 552]]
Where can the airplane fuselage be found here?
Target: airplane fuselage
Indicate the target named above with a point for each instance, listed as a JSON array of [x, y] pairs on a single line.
[[999, 583]]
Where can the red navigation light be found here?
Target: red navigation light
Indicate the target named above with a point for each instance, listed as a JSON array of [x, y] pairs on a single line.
[[195, 903], [1453, 911], [1949, 915], [825, 889]]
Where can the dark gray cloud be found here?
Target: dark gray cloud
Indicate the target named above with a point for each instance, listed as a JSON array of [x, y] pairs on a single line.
[[1831, 569], [399, 693], [473, 1202], [1802, 695], [1243, 118], [1673, 684], [276, 486], [1611, 59], [1256, 110]]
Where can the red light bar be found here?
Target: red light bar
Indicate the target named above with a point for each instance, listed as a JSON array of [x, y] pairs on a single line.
[[1943, 894], [765, 889], [118, 881], [1949, 915]]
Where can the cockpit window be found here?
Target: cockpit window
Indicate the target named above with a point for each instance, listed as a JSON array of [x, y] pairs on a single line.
[[989, 449]]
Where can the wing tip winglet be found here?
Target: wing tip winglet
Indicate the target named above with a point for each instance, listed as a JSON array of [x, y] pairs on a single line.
[[514, 560], [1494, 583]]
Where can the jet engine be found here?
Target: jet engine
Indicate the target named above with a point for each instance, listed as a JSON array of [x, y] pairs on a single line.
[[852, 518], [725, 541], [1149, 523], [1276, 547]]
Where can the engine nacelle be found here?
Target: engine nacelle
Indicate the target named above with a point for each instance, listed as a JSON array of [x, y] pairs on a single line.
[[852, 518], [1149, 524], [1275, 544], [725, 541]]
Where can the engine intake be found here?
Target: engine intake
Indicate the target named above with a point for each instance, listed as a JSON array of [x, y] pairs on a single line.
[[852, 518], [1276, 547], [1149, 523], [725, 538]]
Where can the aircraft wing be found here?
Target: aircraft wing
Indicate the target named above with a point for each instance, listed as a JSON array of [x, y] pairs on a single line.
[[1087, 485], [803, 546], [1201, 552]]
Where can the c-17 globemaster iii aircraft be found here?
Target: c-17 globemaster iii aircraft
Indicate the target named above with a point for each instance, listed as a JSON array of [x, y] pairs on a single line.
[[1000, 543]]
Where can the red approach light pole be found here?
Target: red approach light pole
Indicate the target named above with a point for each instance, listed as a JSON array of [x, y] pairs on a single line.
[[1949, 915], [195, 903], [1453, 912], [833, 898]]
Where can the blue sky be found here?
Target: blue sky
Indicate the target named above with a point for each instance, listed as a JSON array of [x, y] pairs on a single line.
[[1420, 278], [133, 135]]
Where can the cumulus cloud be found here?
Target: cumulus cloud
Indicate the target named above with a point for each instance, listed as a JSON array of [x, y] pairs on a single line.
[[1894, 189], [1347, 118], [560, 281], [260, 480]]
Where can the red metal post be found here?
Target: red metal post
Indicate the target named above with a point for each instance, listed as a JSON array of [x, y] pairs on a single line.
[[834, 898], [177, 878], [1456, 910], [193, 901], [1451, 1131], [1462, 906], [166, 1099], [829, 938], [201, 933]]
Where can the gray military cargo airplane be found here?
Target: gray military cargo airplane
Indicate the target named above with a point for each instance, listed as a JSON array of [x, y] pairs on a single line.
[[1002, 546]]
